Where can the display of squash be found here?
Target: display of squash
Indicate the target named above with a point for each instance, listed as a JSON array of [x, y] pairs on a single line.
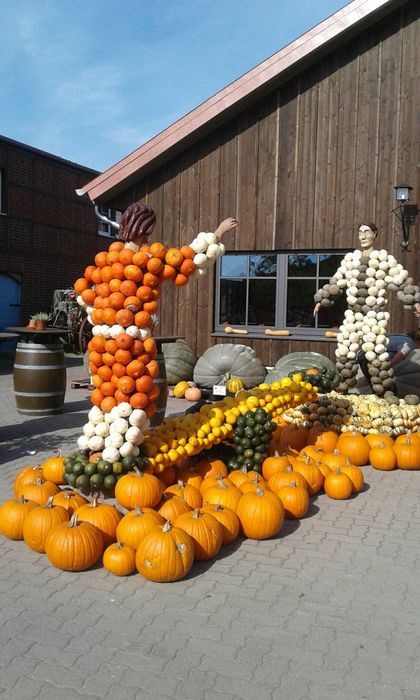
[[227, 358], [297, 361], [180, 361]]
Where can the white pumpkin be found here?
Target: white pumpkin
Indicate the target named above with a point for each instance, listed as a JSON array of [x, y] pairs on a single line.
[[211, 238], [102, 429], [370, 355], [115, 330], [198, 245], [120, 425], [95, 443], [89, 429], [212, 251], [83, 442], [110, 454], [90, 310], [115, 440], [127, 449], [144, 333], [81, 302], [95, 415], [200, 259], [132, 331], [124, 409], [138, 417], [114, 413], [134, 435]]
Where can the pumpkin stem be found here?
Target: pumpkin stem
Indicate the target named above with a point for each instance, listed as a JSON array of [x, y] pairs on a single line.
[[293, 484], [259, 491], [73, 520], [49, 503], [220, 482], [21, 499], [39, 481], [139, 511], [196, 513], [181, 484], [289, 469], [119, 545], [138, 473], [167, 526], [217, 506], [94, 501]]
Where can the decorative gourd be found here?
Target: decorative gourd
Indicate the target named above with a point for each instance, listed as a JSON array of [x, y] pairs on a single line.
[[383, 457], [165, 554], [40, 491], [407, 454], [224, 494], [74, 546], [295, 500], [27, 475], [354, 446], [412, 399], [228, 520], [39, 523], [338, 485], [180, 389], [53, 469], [261, 514], [70, 500], [204, 530], [274, 464], [234, 384], [12, 517], [236, 360], [188, 493], [296, 361], [285, 478], [103, 516], [180, 361], [136, 524], [120, 559], [193, 393], [138, 489], [171, 506]]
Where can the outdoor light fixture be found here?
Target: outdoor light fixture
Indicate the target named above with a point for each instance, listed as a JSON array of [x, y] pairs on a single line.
[[406, 213]]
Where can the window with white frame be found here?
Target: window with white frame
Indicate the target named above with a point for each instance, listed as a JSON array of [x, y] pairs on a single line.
[[107, 230], [262, 290]]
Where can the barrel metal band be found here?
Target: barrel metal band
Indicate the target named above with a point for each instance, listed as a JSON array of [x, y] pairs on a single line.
[[39, 393], [39, 367]]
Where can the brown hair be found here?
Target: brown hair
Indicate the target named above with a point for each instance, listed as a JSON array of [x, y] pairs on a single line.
[[138, 220]]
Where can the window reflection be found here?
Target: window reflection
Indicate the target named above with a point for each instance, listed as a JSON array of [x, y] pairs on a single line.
[[232, 302], [262, 302], [262, 265], [301, 266], [329, 264], [234, 266], [300, 294]]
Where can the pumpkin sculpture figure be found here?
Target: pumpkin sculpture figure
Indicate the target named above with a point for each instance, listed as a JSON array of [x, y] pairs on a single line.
[[120, 294], [366, 275]]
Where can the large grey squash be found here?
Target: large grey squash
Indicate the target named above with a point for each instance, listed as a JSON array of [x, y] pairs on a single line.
[[180, 361], [237, 360], [295, 361]]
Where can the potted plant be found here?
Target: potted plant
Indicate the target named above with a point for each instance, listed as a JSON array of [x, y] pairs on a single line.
[[38, 320]]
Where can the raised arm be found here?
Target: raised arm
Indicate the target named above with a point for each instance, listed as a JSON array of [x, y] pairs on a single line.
[[398, 279], [326, 296], [208, 247]]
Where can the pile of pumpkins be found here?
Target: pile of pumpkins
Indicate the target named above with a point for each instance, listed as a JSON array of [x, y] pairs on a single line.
[[190, 391], [162, 524]]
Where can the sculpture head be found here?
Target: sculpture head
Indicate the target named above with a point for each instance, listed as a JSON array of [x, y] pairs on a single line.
[[367, 234], [137, 223]]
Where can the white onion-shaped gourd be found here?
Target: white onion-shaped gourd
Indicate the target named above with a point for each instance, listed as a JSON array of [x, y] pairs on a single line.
[[349, 314], [380, 274], [341, 283], [132, 331], [353, 289], [120, 425], [198, 245], [370, 301], [90, 320], [144, 333], [368, 346], [370, 356], [95, 443], [83, 442], [373, 291], [127, 449], [383, 357], [342, 351], [95, 415], [134, 435], [365, 329], [90, 310], [358, 325], [383, 265], [358, 316], [115, 330], [102, 429], [379, 348], [345, 333], [382, 323], [124, 409], [382, 339], [354, 347], [374, 255], [108, 418], [138, 418], [380, 284], [346, 342], [351, 355], [89, 429], [380, 301], [222, 249], [97, 330], [351, 300], [211, 239], [114, 440], [110, 454], [200, 259], [370, 337], [212, 251], [374, 264], [80, 301], [353, 337]]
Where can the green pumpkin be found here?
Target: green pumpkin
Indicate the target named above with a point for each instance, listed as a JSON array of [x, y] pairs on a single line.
[[412, 399], [229, 358], [180, 361], [298, 362]]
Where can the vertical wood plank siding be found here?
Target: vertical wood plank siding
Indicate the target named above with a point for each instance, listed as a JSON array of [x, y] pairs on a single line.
[[301, 168]]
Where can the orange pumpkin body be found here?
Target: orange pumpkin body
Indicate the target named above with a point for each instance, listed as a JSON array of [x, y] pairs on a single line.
[[205, 531], [165, 554]]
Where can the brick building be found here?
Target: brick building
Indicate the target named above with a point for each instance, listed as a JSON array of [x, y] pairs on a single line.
[[47, 232]]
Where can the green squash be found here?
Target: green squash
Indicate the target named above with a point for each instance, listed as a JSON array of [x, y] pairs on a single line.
[[228, 358], [296, 362], [180, 361]]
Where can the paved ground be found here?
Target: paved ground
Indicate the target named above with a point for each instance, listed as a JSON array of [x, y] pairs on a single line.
[[328, 610]]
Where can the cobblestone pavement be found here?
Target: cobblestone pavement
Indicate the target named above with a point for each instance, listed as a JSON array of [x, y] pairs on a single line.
[[328, 610]]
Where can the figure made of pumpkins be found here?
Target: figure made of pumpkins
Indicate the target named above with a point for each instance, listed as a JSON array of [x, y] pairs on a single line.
[[367, 275], [120, 294]]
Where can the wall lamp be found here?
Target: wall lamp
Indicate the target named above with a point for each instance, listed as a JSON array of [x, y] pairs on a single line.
[[405, 212]]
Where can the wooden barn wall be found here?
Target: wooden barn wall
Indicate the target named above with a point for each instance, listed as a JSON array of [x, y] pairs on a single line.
[[300, 169]]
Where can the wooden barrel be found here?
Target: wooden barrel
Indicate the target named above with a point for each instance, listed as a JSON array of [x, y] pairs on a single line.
[[39, 378], [162, 383]]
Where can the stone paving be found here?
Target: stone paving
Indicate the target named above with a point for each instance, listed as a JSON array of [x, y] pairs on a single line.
[[329, 610]]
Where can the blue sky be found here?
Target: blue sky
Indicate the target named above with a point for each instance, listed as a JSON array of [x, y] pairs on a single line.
[[92, 80]]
